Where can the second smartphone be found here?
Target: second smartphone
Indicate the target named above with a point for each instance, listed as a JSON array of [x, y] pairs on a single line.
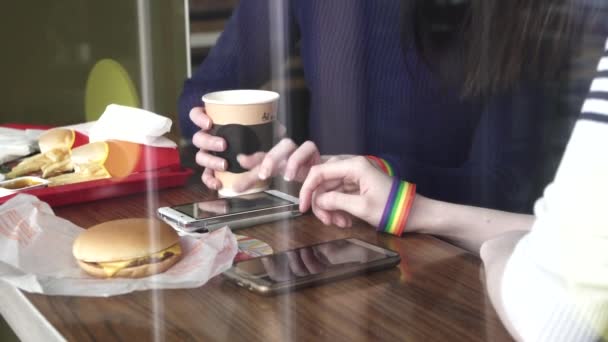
[[311, 265]]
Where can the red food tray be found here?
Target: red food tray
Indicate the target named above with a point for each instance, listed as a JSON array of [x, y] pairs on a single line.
[[168, 174], [109, 187]]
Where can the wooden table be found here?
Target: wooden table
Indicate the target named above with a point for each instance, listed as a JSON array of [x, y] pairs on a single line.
[[436, 293]]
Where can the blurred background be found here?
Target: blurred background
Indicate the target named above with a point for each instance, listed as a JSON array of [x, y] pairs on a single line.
[[50, 50]]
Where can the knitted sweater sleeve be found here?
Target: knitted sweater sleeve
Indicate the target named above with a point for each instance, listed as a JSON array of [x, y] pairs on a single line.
[[555, 284]]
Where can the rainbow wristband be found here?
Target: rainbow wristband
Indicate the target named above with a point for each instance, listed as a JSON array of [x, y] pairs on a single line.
[[383, 165], [397, 207]]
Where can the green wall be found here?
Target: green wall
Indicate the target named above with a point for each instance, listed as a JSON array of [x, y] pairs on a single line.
[[48, 48]]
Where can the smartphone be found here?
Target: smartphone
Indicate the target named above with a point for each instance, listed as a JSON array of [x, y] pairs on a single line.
[[311, 265], [235, 212]]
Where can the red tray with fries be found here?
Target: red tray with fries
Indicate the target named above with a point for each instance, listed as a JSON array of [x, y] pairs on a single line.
[[159, 168]]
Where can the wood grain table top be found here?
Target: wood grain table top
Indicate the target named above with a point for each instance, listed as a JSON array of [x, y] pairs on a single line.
[[436, 293]]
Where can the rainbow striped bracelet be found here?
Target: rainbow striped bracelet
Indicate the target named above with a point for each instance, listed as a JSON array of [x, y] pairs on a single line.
[[397, 207], [383, 165]]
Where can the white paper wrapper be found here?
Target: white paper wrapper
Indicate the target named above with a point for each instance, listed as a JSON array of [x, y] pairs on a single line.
[[131, 124], [36, 256], [16, 143], [84, 128]]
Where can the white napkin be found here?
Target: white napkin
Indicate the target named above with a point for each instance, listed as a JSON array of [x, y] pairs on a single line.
[[132, 124], [17, 143], [84, 128], [31, 233]]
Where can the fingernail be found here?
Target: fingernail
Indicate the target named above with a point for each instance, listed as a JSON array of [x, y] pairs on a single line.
[[219, 145], [239, 158], [289, 175], [338, 222], [222, 165], [263, 174]]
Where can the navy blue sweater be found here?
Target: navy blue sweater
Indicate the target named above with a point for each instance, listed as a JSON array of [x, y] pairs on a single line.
[[372, 93]]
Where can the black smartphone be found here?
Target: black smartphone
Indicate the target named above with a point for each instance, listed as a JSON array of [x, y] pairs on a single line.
[[311, 265]]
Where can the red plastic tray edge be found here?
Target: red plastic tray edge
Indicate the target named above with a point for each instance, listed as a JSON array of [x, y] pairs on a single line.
[[108, 188]]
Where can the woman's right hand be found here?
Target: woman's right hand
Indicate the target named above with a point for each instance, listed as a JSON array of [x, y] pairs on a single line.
[[328, 189], [207, 143]]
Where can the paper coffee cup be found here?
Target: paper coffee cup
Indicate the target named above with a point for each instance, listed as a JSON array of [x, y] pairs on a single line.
[[245, 119]]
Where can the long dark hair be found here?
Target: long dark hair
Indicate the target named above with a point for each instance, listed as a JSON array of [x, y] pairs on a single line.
[[487, 46]]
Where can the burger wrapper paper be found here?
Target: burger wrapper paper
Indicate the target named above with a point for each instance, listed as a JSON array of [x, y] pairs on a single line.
[[36, 256]]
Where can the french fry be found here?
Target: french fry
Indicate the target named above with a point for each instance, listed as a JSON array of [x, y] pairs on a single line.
[[56, 168], [28, 165], [70, 178], [40, 162], [83, 173], [57, 154]]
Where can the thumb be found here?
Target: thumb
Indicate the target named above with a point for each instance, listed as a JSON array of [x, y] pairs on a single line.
[[280, 130], [250, 161], [353, 204]]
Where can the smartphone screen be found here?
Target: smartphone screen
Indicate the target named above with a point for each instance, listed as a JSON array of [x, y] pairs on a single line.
[[310, 265], [234, 205]]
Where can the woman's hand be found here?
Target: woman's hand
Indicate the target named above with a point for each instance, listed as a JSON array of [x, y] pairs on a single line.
[[351, 186], [208, 143], [286, 158]]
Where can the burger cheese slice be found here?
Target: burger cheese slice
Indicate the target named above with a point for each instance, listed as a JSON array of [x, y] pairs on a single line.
[[129, 248]]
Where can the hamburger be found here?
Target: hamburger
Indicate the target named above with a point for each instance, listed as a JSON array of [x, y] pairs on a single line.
[[128, 248]]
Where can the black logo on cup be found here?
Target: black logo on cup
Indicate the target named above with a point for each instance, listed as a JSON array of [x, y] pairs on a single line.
[[266, 117]]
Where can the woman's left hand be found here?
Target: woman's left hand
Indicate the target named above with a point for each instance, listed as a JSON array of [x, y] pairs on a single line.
[[328, 189]]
